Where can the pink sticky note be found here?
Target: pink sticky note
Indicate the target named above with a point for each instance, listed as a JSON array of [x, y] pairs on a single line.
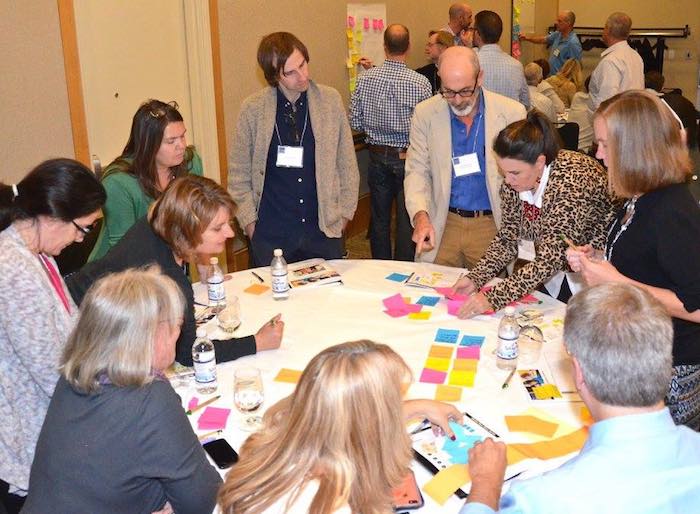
[[213, 418], [381, 24], [430, 376], [351, 22], [396, 306], [193, 403], [365, 23], [375, 23], [395, 313], [412, 307], [447, 293], [453, 306], [468, 352], [394, 302], [528, 298]]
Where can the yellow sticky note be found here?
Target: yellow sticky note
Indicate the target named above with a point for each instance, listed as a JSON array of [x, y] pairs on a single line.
[[256, 289], [532, 425], [349, 34], [446, 482], [351, 84], [438, 364], [358, 35], [420, 315], [290, 376], [465, 364], [445, 393], [348, 63], [443, 352], [546, 392], [462, 378]]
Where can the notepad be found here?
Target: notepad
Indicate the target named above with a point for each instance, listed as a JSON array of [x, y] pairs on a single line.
[[213, 418]]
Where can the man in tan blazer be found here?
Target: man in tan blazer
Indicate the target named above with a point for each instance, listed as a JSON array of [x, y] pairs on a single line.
[[452, 180]]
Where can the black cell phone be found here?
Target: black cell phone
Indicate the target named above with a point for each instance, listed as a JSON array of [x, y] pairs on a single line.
[[221, 453]]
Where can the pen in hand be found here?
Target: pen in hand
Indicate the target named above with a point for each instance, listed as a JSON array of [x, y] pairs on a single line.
[[568, 241]]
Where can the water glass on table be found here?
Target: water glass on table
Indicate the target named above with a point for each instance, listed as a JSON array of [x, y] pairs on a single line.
[[248, 396], [229, 318]]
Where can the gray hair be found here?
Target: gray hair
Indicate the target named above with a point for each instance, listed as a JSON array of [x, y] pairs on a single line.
[[570, 17], [622, 338], [533, 74], [619, 25], [114, 337]]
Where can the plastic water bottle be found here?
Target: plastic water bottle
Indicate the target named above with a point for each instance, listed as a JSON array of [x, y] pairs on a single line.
[[508, 331], [280, 281], [204, 358], [215, 285]]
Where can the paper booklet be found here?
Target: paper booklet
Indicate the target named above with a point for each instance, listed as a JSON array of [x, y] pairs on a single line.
[[431, 279], [312, 272]]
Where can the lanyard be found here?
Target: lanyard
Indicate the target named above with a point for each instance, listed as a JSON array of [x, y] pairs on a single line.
[[55, 280], [301, 141], [476, 134]]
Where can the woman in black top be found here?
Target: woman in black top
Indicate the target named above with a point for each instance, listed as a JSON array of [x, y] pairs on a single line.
[[654, 242]]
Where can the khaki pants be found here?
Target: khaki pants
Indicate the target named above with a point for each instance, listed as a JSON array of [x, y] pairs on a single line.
[[465, 240]]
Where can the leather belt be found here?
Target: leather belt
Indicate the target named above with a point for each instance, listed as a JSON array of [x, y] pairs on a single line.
[[390, 151], [470, 214]]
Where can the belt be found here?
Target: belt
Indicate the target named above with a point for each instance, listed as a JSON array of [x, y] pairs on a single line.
[[470, 214], [390, 151]]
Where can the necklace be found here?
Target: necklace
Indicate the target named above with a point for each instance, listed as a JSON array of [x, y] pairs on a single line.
[[624, 223]]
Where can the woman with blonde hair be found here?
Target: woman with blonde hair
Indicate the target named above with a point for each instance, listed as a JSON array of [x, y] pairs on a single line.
[[115, 437], [567, 81], [338, 444], [193, 217], [654, 241]]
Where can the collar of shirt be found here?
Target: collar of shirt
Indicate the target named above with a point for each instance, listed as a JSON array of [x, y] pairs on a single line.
[[491, 47], [536, 197], [393, 64], [612, 48], [291, 118]]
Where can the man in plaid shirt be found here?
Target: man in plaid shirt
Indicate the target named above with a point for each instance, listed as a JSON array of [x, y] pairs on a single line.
[[381, 106]]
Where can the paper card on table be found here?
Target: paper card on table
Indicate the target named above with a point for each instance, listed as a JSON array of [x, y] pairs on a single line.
[[437, 363], [394, 303], [445, 393], [469, 352], [397, 277], [256, 289], [192, 404], [554, 448], [443, 352], [468, 340], [213, 418], [453, 306], [446, 335], [446, 482], [531, 424], [546, 392], [465, 364], [430, 301], [447, 293], [430, 376], [423, 315], [585, 416], [290, 376], [462, 378]]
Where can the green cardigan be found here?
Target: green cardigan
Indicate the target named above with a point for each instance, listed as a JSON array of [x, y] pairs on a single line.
[[126, 203]]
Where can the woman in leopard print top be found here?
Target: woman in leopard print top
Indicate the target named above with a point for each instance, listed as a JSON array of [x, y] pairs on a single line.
[[547, 194]]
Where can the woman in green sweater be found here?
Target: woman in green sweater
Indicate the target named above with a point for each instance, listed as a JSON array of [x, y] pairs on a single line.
[[155, 154]]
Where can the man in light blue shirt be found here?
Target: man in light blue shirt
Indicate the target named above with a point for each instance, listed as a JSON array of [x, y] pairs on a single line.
[[635, 459], [563, 43]]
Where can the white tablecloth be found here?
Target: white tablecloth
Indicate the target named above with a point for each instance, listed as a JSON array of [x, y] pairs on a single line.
[[323, 316]]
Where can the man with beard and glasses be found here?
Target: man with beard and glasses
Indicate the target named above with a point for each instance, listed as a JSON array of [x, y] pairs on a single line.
[[452, 178]]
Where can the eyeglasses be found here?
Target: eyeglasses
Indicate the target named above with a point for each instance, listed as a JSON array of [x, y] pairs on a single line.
[[290, 119], [84, 230], [159, 112], [464, 93]]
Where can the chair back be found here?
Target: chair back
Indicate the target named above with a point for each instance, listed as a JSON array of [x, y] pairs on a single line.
[[569, 135]]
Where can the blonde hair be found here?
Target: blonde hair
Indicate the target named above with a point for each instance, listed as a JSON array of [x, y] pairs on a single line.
[[115, 333], [641, 159], [342, 426], [571, 70], [183, 212]]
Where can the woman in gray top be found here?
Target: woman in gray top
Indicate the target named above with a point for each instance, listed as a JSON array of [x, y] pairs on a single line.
[[115, 438]]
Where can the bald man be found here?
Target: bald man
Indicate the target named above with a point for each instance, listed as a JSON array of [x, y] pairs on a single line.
[[460, 20], [563, 43], [452, 179]]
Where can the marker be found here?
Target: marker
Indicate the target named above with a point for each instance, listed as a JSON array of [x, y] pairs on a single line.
[[409, 278], [203, 404], [209, 434], [258, 277], [568, 241], [510, 375]]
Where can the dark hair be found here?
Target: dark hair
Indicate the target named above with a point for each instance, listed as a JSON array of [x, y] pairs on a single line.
[[396, 39], [654, 80], [489, 26], [273, 52], [525, 140], [139, 155], [544, 64], [59, 188]]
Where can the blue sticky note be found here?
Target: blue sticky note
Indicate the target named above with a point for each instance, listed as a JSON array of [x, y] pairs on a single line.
[[445, 335], [458, 450], [397, 277], [468, 340], [430, 301]]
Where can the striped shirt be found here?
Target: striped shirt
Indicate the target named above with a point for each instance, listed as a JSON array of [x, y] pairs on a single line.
[[503, 74]]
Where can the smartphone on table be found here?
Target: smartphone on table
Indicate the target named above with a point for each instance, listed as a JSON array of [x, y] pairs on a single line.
[[407, 495], [221, 453]]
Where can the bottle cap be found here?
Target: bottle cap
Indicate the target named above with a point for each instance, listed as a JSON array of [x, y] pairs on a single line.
[[510, 310], [277, 252], [214, 260], [201, 332]]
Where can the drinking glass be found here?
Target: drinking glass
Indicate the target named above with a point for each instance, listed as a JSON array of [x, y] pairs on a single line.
[[248, 396], [530, 342], [229, 318]]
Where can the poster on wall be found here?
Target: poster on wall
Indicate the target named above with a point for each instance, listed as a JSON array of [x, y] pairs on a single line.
[[364, 31], [523, 22]]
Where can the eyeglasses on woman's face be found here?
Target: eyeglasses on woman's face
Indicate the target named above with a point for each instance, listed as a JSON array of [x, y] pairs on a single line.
[[84, 230]]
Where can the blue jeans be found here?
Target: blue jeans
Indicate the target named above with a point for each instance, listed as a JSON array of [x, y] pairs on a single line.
[[385, 179]]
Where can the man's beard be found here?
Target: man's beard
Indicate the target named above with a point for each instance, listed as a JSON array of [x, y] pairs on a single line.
[[466, 111]]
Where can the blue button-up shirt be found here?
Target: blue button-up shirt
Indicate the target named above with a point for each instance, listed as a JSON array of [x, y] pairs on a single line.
[[561, 50], [469, 191]]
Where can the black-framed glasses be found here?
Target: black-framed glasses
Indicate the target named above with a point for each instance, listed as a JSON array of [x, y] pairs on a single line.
[[290, 119], [159, 112], [464, 93], [85, 230]]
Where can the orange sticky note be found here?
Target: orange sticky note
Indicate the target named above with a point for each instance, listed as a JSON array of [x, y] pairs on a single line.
[[532, 425], [586, 418], [291, 376], [256, 289], [465, 364], [420, 315], [462, 378], [553, 448], [437, 364], [445, 393], [442, 352], [446, 482]]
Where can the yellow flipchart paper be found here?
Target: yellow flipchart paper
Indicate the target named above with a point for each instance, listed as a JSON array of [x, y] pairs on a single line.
[[446, 482]]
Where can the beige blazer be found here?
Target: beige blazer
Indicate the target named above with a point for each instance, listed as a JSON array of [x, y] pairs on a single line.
[[428, 178]]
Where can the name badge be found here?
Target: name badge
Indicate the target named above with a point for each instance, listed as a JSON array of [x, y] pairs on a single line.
[[467, 164], [556, 52], [526, 250], [290, 156]]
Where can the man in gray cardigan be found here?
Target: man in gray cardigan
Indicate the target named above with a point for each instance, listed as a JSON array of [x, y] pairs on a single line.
[[293, 170]]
